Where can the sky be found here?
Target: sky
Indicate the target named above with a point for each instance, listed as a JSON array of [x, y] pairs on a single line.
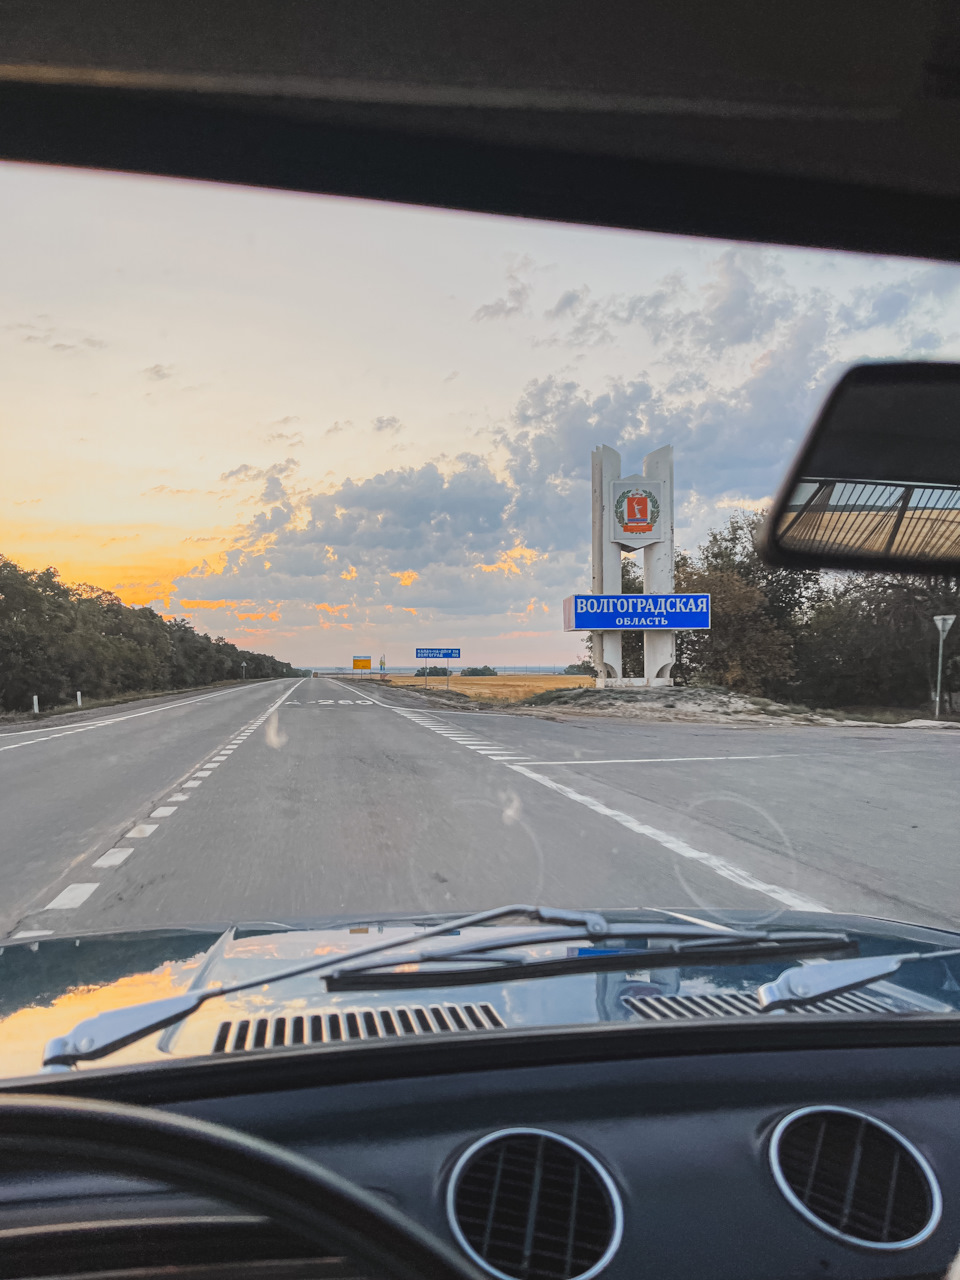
[[322, 427]]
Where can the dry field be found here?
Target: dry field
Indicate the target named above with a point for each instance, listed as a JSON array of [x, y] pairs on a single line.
[[497, 688]]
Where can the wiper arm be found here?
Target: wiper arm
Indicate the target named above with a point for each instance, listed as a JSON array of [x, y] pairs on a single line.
[[808, 983], [101, 1035], [676, 945]]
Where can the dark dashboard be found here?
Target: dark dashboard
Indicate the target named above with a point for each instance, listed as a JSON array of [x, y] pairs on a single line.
[[676, 1149]]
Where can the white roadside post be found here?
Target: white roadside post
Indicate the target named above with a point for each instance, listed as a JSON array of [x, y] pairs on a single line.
[[36, 705], [79, 699], [943, 623]]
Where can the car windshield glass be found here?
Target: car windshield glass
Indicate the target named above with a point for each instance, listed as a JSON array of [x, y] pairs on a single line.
[[367, 567]]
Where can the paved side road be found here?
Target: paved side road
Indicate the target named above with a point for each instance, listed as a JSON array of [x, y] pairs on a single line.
[[308, 799]]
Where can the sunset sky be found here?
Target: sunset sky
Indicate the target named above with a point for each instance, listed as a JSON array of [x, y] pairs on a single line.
[[323, 427]]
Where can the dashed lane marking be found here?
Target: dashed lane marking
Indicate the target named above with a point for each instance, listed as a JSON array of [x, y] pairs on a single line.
[[720, 866], [113, 857], [72, 896]]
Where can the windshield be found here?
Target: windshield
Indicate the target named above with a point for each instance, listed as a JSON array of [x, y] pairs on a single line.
[[364, 564]]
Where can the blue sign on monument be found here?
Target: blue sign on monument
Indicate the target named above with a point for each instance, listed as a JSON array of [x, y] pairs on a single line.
[[438, 653], [637, 613]]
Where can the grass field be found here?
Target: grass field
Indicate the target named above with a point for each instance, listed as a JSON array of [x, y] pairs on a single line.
[[497, 688]]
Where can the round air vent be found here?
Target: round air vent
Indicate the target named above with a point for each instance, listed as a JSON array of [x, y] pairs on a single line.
[[855, 1177], [530, 1205]]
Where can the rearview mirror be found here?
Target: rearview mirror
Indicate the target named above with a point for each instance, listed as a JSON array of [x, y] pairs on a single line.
[[877, 482]]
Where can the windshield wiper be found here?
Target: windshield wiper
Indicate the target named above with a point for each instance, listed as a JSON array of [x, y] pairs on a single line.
[[808, 983], [675, 946], [102, 1035]]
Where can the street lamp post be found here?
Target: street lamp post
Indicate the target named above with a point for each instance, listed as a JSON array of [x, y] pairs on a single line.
[[943, 623]]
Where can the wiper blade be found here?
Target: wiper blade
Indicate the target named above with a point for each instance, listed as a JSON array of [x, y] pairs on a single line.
[[808, 983], [106, 1032], [474, 966]]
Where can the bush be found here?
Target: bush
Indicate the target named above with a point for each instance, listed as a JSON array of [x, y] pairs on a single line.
[[582, 668], [478, 671], [432, 671]]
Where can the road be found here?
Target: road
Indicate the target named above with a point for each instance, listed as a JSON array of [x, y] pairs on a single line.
[[293, 800]]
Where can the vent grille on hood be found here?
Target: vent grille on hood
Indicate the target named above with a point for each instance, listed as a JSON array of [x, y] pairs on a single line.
[[529, 1205], [332, 1026], [855, 1177], [735, 1004]]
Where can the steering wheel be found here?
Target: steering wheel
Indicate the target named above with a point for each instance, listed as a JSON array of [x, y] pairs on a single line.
[[316, 1204]]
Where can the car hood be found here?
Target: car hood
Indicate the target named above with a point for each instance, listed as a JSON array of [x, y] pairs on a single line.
[[48, 985]]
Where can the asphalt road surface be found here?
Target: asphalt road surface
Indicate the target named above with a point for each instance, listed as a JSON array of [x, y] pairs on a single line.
[[301, 800]]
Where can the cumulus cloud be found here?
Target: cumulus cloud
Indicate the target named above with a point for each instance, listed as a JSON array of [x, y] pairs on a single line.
[[735, 366], [392, 425], [159, 372]]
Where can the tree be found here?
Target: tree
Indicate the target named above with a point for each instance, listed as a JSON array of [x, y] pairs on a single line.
[[56, 639]]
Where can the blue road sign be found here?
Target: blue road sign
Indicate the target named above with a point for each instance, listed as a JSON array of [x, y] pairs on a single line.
[[438, 653], [636, 613]]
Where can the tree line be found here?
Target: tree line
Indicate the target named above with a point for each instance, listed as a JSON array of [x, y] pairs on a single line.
[[821, 639], [56, 639]]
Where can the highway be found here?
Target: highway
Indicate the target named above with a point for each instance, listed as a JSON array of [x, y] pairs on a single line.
[[295, 800]]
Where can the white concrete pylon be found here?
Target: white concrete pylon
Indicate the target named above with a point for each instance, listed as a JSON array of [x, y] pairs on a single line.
[[607, 645], [660, 647]]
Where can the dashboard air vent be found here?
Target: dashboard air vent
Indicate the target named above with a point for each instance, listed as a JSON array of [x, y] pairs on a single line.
[[855, 1177], [530, 1205], [331, 1026]]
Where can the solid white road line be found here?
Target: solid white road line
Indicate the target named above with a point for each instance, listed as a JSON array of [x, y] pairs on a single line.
[[781, 755], [33, 933], [113, 857], [100, 724], [728, 870], [72, 896]]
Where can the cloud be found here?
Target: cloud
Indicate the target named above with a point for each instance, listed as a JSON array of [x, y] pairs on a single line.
[[209, 604], [393, 425], [159, 372], [247, 473], [337, 428], [510, 561], [27, 502], [291, 438], [734, 365], [167, 491], [516, 299], [451, 376]]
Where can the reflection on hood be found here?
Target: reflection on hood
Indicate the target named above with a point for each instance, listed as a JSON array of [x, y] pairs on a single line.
[[49, 985]]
